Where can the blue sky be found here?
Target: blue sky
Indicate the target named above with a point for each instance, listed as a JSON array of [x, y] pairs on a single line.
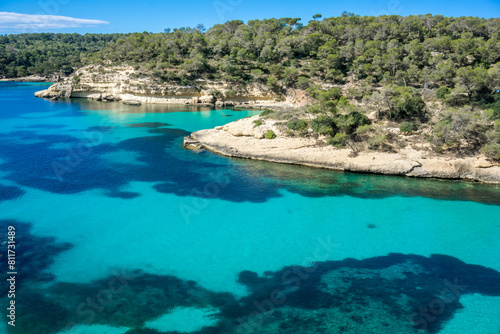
[[106, 16]]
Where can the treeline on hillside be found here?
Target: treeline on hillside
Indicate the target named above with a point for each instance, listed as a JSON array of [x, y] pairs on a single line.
[[458, 55], [415, 51], [48, 53]]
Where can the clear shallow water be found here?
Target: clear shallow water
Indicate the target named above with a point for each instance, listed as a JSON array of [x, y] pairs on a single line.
[[121, 230]]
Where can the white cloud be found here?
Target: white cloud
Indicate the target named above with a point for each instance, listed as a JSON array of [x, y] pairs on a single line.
[[16, 21]]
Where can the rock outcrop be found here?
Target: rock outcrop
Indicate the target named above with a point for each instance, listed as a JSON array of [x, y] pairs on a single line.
[[106, 83], [63, 89], [243, 139]]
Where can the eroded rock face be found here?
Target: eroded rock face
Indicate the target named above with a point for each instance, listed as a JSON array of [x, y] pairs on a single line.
[[124, 83], [62, 89], [483, 163], [191, 144]]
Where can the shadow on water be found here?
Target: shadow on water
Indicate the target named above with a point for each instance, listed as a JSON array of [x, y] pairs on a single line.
[[388, 294], [402, 285], [32, 160], [59, 163], [314, 182], [8, 193]]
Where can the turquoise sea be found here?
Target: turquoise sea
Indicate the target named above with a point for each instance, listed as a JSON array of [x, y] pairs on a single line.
[[120, 230]]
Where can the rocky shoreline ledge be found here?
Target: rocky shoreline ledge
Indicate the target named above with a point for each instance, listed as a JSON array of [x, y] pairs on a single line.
[[241, 139], [32, 78]]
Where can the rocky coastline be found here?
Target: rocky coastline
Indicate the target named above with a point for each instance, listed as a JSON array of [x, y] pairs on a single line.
[[124, 83], [243, 140]]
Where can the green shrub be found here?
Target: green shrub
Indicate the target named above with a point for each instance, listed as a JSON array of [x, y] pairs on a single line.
[[257, 123], [491, 104], [492, 113], [354, 93], [272, 82], [408, 103], [324, 125], [456, 100], [491, 151], [407, 127], [297, 124], [342, 101], [303, 82], [438, 149], [377, 141], [363, 129], [349, 123], [496, 112], [328, 107], [459, 125], [359, 119], [257, 74], [66, 69], [217, 94], [270, 134], [266, 112], [338, 140], [441, 92]]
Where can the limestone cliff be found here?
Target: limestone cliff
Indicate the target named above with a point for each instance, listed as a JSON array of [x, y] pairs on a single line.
[[113, 83], [244, 139]]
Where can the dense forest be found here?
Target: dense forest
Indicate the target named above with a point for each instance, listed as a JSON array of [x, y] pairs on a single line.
[[47, 53], [417, 51]]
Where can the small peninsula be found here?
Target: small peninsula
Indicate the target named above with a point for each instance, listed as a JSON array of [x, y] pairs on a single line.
[[243, 140]]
